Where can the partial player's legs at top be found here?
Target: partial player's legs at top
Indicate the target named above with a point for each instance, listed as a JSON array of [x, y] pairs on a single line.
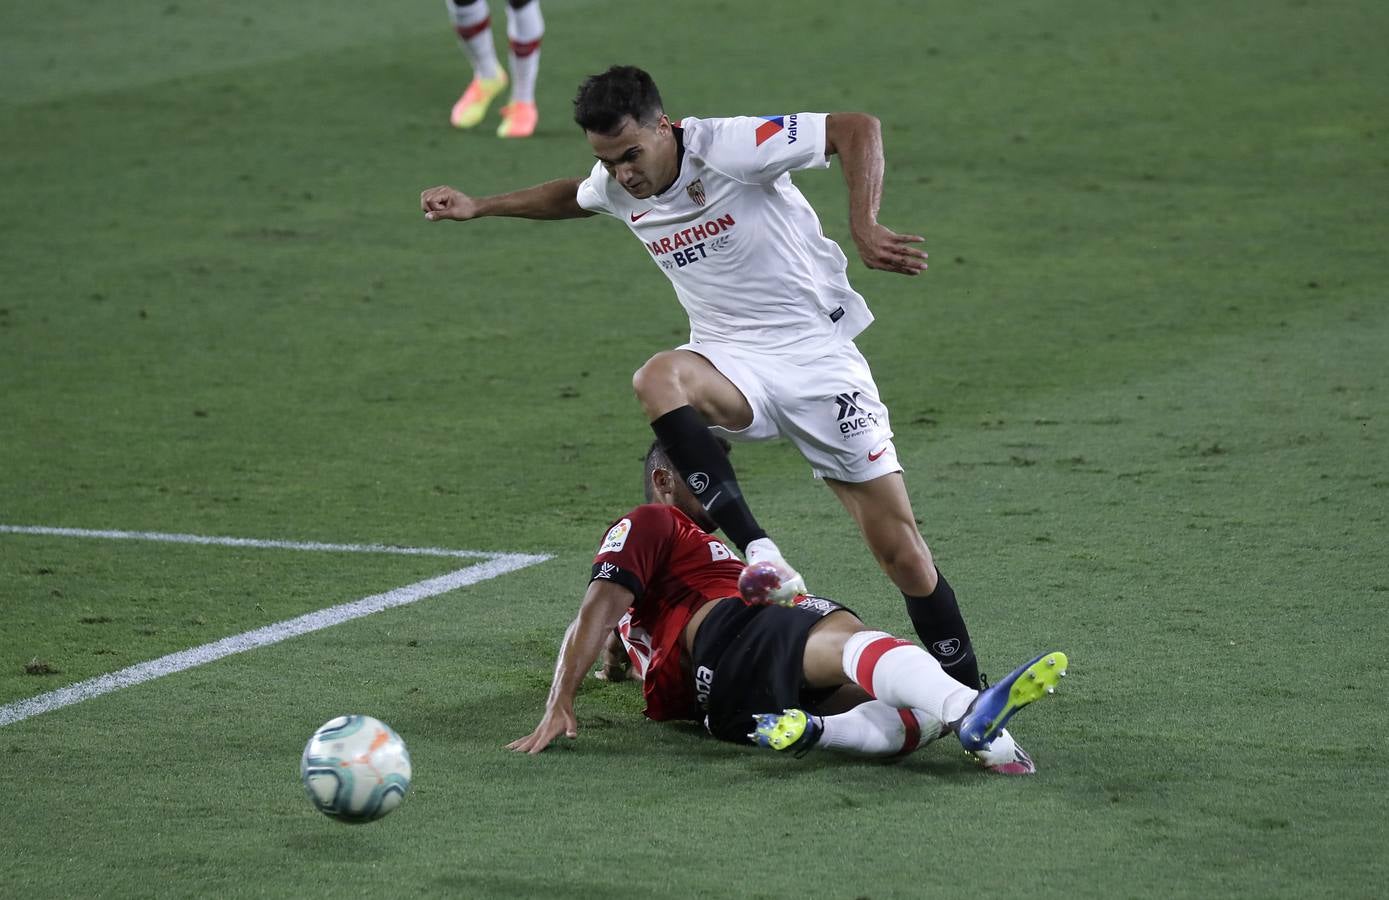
[[472, 20], [525, 28]]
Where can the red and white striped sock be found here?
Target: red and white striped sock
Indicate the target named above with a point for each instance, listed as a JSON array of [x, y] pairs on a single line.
[[876, 728], [525, 27], [903, 675], [473, 22]]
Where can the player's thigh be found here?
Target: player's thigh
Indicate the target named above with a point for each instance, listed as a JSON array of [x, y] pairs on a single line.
[[675, 378], [731, 392], [823, 661]]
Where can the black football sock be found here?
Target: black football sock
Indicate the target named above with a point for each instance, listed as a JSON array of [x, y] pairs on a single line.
[[942, 630], [704, 465]]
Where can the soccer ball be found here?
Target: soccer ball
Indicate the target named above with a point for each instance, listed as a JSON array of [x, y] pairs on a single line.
[[757, 582], [355, 769]]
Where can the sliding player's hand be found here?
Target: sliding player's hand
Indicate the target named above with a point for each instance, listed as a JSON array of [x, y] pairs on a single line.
[[615, 664], [557, 721], [882, 248], [444, 202]]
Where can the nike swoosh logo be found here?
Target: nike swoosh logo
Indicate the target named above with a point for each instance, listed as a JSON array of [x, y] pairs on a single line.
[[874, 457], [636, 216]]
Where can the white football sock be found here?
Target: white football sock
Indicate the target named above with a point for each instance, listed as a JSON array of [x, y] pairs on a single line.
[[524, 27], [903, 675], [473, 22], [1002, 749], [876, 728]]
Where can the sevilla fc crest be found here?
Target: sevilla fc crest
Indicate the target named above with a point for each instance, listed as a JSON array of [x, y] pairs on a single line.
[[947, 648], [696, 191]]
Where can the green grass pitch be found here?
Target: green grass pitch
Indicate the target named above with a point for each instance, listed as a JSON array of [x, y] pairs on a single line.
[[1141, 396]]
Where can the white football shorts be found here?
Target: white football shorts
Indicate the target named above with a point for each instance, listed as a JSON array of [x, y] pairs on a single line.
[[828, 407]]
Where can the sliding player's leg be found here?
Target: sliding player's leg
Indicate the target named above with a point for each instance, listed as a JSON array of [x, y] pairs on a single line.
[[872, 728], [841, 649], [875, 728]]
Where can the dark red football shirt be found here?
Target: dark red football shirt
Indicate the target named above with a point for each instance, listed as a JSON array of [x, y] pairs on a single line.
[[672, 567]]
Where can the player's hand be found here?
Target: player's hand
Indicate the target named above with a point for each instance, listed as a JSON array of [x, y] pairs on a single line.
[[443, 202], [882, 248], [557, 721], [615, 664], [616, 673]]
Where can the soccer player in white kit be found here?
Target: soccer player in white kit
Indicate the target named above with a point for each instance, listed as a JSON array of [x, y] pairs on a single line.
[[772, 314]]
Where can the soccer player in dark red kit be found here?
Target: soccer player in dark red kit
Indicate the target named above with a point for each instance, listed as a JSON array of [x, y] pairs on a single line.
[[789, 677]]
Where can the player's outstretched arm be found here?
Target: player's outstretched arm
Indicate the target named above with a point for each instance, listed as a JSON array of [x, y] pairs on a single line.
[[551, 200], [604, 603], [858, 139]]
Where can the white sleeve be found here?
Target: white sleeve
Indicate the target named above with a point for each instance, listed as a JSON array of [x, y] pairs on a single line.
[[593, 191], [760, 148]]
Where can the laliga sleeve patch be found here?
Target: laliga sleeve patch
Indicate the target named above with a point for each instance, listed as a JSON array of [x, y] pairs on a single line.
[[617, 537]]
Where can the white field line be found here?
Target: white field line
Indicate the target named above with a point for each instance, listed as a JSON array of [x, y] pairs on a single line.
[[241, 542], [262, 637], [497, 564]]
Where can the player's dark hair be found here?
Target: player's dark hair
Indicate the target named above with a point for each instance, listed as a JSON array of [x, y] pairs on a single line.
[[656, 458], [605, 100]]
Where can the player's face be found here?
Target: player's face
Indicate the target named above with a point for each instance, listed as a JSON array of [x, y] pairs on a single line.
[[639, 157]]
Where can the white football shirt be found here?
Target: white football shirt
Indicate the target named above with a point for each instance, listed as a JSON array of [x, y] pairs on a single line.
[[741, 245]]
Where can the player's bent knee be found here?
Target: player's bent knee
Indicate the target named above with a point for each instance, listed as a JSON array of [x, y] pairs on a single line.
[[656, 378], [658, 372], [658, 384]]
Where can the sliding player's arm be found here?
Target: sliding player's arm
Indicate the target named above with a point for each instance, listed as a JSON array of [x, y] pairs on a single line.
[[603, 606], [551, 200], [858, 139]]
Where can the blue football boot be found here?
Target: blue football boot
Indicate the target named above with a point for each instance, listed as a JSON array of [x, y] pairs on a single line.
[[994, 706]]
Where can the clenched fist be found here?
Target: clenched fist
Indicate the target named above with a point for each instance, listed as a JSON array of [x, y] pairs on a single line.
[[443, 202]]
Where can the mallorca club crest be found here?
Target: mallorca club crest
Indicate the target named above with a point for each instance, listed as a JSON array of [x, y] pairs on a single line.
[[696, 191]]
